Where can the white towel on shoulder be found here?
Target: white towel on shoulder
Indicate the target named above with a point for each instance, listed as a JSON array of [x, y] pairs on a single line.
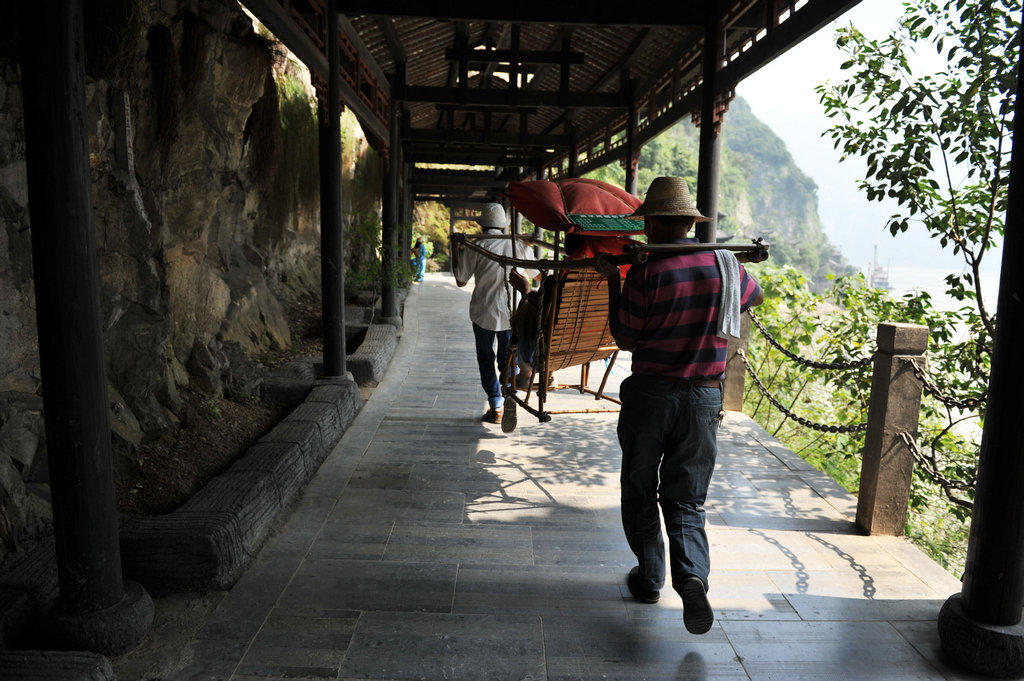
[[729, 300]]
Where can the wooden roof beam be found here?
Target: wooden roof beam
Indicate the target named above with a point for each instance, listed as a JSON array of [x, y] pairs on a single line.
[[495, 109], [586, 12], [495, 158], [509, 139], [272, 15], [636, 47], [563, 39], [387, 29], [461, 40], [520, 97], [456, 198], [800, 24], [491, 39], [430, 173], [513, 56], [803, 22]]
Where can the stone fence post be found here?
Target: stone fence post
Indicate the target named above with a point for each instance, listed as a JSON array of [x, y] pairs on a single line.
[[735, 372], [894, 409]]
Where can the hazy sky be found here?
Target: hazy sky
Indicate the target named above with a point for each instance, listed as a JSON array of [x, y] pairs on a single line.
[[782, 94]]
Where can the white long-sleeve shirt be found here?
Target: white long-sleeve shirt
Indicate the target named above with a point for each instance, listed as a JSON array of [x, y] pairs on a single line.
[[488, 308]]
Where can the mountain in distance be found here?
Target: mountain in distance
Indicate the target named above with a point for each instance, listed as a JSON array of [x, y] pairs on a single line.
[[762, 191]]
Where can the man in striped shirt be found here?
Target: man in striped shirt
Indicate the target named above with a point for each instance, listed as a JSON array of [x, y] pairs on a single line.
[[667, 315]]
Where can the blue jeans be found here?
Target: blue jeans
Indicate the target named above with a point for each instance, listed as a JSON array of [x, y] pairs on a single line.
[[419, 268], [485, 359], [668, 431]]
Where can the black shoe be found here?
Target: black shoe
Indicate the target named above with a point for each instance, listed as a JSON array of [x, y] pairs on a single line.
[[508, 417], [492, 415], [638, 592], [697, 613]]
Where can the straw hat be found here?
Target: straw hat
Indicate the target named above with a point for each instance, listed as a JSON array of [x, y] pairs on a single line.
[[669, 196], [492, 216]]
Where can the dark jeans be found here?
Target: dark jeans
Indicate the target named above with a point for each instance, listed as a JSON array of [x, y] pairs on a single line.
[[485, 359], [668, 431]]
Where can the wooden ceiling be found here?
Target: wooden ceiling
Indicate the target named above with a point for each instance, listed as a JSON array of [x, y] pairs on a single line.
[[524, 84]]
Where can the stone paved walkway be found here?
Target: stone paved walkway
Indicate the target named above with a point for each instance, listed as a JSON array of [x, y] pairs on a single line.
[[430, 546]]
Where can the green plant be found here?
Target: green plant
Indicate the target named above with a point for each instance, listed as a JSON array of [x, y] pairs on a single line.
[[299, 165], [840, 324], [938, 143], [208, 409], [363, 266]]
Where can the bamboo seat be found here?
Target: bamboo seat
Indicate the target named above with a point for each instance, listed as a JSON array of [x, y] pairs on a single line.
[[579, 332], [575, 333]]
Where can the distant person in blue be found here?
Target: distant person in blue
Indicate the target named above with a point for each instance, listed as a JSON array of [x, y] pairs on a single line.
[[419, 258]]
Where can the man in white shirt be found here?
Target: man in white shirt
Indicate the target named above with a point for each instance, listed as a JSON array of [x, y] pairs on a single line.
[[489, 306]]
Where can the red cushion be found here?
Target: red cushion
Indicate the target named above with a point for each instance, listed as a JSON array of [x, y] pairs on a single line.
[[547, 204]]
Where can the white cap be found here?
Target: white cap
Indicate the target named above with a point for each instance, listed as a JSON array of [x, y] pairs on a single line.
[[492, 216]]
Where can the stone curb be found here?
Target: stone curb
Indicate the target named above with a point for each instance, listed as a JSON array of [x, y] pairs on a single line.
[[289, 384], [208, 542], [41, 665], [371, 360]]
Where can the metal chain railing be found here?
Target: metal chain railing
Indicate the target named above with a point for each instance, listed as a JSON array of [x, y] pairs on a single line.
[[825, 428], [930, 467], [966, 403], [814, 364]]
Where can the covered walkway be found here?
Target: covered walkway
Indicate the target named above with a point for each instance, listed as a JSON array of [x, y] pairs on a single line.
[[430, 546]]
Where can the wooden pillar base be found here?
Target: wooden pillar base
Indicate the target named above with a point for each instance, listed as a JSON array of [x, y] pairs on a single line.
[[110, 631], [988, 649]]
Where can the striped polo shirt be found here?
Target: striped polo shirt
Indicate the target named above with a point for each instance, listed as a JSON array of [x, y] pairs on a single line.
[[669, 306]]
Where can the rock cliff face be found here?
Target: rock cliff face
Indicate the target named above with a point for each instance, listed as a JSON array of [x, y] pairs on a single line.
[[203, 240]]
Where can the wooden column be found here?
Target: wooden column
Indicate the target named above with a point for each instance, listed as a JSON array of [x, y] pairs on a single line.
[[407, 209], [94, 611], [540, 174], [981, 628], [332, 258], [735, 372], [390, 188], [632, 150], [389, 207], [894, 409], [574, 153], [710, 148], [451, 232]]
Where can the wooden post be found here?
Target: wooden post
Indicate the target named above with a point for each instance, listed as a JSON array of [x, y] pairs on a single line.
[[632, 152], [390, 202], [710, 146], [735, 372], [451, 240], [332, 258], [894, 409], [981, 628], [96, 610], [574, 153], [407, 208]]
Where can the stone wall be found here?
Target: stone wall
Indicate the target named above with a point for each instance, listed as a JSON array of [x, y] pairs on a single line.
[[203, 240]]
